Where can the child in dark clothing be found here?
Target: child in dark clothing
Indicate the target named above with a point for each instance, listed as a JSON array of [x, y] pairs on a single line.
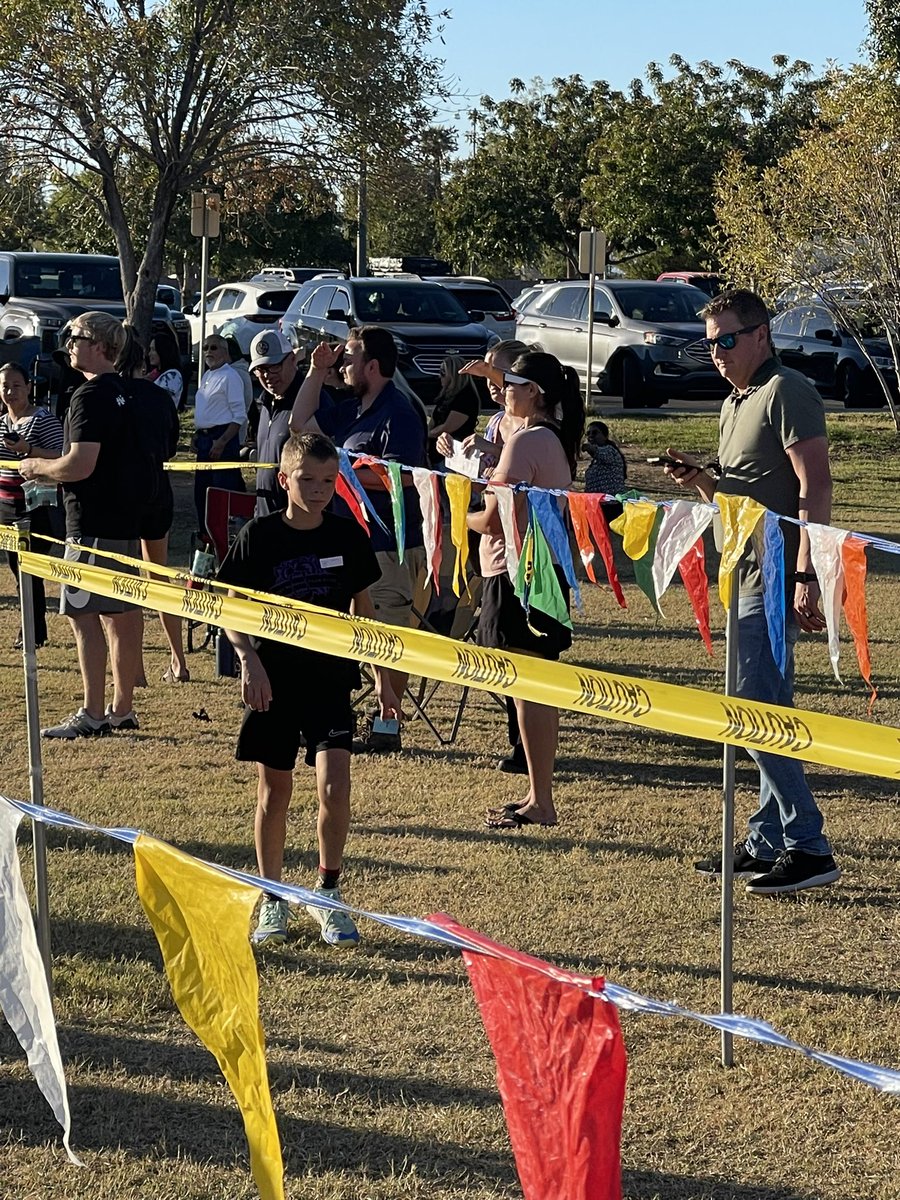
[[290, 694], [606, 469]]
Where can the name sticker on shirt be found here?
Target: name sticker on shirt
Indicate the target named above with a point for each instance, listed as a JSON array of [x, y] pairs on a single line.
[[337, 561]]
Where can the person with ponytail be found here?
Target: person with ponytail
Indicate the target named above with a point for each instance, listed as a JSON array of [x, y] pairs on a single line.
[[545, 398]]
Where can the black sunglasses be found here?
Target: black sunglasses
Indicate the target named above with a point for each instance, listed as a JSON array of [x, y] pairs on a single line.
[[728, 341], [77, 337]]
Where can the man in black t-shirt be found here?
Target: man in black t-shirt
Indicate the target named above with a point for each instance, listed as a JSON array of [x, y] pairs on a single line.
[[103, 481], [292, 694]]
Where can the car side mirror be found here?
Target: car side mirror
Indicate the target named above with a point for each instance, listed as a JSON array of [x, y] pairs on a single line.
[[196, 310], [4, 297], [11, 334], [338, 314], [605, 318], [477, 315], [828, 335]]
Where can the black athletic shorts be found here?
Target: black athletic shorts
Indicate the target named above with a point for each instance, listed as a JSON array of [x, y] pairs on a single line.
[[156, 519], [323, 716], [504, 624]]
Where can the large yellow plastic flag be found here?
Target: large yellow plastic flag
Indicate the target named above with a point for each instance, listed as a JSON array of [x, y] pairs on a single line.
[[740, 515], [636, 525], [201, 919]]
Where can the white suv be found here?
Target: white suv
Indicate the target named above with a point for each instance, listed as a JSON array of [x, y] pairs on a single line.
[[242, 310]]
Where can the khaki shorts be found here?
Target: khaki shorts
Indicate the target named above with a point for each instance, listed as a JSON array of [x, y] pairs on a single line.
[[393, 593]]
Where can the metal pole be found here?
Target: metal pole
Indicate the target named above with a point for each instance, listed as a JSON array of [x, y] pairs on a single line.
[[726, 947], [35, 763], [204, 285], [589, 386]]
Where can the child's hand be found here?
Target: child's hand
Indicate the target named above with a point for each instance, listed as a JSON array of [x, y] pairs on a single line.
[[256, 690], [390, 704]]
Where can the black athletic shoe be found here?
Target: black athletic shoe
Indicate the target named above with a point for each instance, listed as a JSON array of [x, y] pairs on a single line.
[[745, 864], [516, 763], [794, 871]]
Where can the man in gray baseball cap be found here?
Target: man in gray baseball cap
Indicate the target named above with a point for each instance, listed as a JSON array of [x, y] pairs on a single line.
[[273, 363]]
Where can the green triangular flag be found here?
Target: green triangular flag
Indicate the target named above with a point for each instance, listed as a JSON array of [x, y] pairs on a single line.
[[537, 585], [399, 513]]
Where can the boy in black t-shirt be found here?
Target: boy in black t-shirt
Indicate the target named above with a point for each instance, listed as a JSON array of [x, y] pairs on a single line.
[[290, 693]]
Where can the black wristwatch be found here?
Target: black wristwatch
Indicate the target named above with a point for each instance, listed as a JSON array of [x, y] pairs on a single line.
[[805, 577]]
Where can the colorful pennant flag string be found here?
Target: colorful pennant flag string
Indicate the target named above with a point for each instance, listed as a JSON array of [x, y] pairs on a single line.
[[739, 516], [825, 548], [395, 488], [774, 596], [428, 488], [544, 508], [853, 554], [459, 493]]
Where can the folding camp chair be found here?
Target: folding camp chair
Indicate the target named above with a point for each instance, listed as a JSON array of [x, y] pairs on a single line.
[[225, 513]]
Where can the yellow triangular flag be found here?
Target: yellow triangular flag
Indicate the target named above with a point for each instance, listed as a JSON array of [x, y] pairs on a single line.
[[739, 515], [201, 919], [635, 525], [459, 492]]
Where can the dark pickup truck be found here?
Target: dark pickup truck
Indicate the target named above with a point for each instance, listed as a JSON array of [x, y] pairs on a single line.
[[42, 291]]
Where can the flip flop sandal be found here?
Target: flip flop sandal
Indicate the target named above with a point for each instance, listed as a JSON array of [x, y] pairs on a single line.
[[516, 820]]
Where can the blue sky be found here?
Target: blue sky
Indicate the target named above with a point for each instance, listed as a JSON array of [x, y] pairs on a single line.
[[488, 42]]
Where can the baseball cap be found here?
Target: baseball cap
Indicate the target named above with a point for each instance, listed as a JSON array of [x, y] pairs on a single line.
[[269, 347]]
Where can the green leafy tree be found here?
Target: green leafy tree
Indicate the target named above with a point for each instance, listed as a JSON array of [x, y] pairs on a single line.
[[138, 102], [827, 215], [23, 207], [884, 30], [404, 192]]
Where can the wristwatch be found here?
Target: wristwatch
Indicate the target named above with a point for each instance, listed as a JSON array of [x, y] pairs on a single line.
[[805, 577]]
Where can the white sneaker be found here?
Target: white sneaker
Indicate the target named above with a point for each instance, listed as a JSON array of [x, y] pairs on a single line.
[[79, 724], [129, 721], [273, 923], [337, 927]]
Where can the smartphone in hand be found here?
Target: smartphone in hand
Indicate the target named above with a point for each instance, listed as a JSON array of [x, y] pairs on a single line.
[[663, 460]]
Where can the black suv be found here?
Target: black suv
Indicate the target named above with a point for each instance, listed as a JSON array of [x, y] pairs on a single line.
[[426, 321], [41, 292], [809, 339]]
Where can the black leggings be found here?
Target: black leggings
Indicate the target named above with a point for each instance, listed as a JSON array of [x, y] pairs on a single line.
[[44, 520]]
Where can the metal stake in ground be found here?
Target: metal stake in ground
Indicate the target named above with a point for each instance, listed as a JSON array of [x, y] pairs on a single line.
[[726, 946], [35, 762]]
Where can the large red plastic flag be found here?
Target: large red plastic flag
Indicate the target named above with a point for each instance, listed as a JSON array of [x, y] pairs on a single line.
[[599, 527], [560, 1069], [692, 569]]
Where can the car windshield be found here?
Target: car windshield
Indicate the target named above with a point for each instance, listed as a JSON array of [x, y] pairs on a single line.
[[48, 278], [660, 302], [275, 301], [408, 304], [487, 299]]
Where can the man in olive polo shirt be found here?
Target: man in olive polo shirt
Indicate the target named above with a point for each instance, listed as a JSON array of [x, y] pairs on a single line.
[[773, 447]]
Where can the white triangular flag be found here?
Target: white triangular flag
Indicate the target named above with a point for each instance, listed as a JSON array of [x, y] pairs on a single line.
[[506, 507], [825, 548], [683, 523], [431, 524]]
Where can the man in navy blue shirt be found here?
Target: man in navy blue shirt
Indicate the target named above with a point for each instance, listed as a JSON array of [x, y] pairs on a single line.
[[380, 421]]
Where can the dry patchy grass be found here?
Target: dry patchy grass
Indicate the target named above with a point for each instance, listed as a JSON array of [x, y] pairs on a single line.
[[381, 1076]]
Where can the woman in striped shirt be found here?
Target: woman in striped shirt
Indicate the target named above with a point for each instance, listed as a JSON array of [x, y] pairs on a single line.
[[26, 431]]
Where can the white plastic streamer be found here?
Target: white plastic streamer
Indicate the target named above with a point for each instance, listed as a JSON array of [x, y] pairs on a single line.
[[682, 524], [424, 481], [825, 547], [506, 507], [24, 995]]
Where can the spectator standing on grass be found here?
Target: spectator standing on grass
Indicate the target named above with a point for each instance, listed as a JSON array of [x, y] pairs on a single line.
[[773, 447], [104, 472], [219, 413], [27, 431], [164, 360], [545, 397], [157, 421], [380, 421], [500, 428], [305, 553], [606, 469], [456, 408], [273, 363]]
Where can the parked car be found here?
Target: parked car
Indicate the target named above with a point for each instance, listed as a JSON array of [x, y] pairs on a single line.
[[41, 292], [296, 275], [810, 339], [646, 338], [527, 296], [427, 322], [706, 281], [245, 308], [484, 297]]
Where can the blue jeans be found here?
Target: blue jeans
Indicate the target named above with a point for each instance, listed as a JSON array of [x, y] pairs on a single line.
[[788, 817], [232, 479]]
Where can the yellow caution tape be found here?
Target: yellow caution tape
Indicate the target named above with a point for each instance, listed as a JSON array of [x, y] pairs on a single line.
[[688, 712]]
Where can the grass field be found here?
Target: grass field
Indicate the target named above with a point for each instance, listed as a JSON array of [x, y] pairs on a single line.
[[382, 1079]]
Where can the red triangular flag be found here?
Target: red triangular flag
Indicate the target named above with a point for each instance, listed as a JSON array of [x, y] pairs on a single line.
[[560, 1069], [600, 529], [350, 498], [692, 569], [582, 533]]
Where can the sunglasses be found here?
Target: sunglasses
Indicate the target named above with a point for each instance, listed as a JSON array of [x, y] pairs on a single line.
[[510, 379], [728, 341], [77, 337]]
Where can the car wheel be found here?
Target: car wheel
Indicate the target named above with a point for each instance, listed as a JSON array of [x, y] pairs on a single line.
[[634, 390], [850, 389]]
